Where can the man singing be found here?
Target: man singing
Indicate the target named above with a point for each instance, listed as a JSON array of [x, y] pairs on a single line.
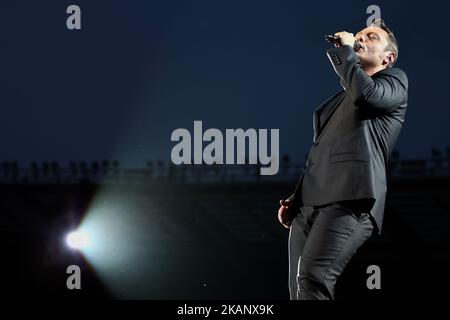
[[340, 197]]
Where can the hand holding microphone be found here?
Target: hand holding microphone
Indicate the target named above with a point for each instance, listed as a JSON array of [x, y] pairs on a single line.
[[344, 38]]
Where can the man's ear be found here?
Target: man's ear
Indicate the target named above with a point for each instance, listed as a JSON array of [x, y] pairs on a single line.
[[389, 57]]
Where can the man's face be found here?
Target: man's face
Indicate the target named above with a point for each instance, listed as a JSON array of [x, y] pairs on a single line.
[[374, 42]]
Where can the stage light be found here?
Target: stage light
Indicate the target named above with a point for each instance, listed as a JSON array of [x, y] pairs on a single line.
[[77, 239]]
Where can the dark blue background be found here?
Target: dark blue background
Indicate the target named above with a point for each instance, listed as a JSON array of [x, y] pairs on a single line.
[[140, 69]]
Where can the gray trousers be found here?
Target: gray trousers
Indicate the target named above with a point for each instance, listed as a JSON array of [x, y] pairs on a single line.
[[322, 241]]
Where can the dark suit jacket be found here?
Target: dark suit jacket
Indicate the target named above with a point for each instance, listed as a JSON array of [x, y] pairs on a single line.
[[354, 133]]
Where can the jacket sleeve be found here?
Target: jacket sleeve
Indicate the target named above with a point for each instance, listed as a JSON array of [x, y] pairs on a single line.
[[382, 92]]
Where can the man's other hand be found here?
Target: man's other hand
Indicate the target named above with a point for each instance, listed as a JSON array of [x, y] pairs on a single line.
[[283, 213]]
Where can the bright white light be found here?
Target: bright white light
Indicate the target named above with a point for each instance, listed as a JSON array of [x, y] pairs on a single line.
[[77, 240]]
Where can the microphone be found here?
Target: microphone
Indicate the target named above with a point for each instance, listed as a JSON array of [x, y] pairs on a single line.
[[334, 39]]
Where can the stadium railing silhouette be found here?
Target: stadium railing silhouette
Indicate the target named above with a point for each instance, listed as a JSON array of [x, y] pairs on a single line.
[[111, 171]]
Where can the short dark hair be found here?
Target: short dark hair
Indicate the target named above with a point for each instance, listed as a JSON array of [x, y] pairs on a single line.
[[392, 41]]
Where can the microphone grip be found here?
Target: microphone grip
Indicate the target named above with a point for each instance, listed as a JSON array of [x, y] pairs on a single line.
[[336, 40]]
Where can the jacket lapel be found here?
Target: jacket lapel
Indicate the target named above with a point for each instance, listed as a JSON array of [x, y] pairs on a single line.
[[317, 130]]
